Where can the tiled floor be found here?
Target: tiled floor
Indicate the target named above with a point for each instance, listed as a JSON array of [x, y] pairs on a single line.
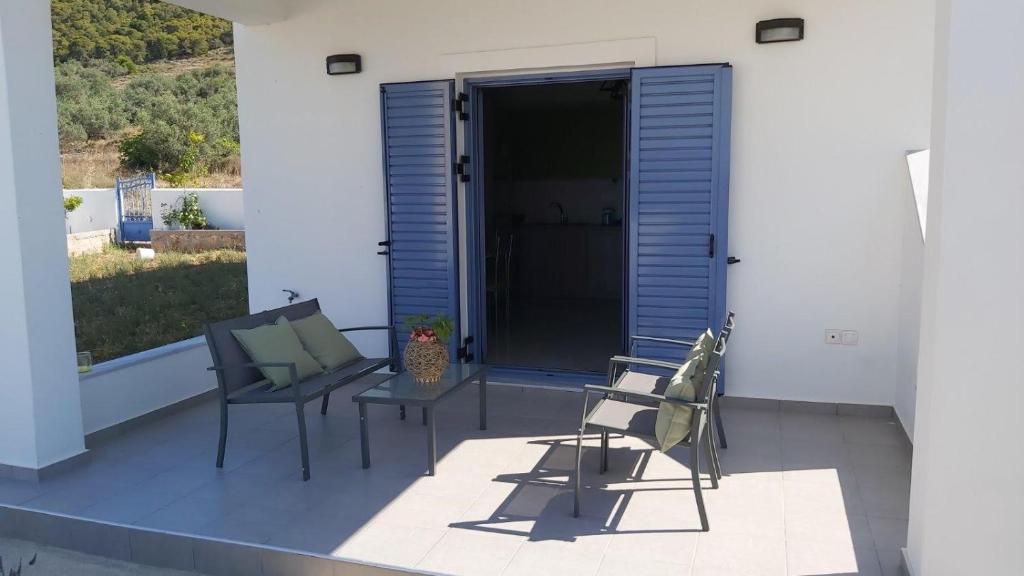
[[804, 493]]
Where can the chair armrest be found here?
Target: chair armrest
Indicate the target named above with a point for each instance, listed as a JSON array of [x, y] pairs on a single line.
[[644, 362], [661, 340], [631, 395]]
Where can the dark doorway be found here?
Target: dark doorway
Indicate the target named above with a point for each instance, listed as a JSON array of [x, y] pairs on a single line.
[[553, 190]]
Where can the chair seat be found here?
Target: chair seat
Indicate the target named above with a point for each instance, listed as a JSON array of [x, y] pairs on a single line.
[[260, 392], [625, 417], [645, 383]]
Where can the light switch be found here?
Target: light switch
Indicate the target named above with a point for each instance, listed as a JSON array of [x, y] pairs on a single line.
[[850, 337]]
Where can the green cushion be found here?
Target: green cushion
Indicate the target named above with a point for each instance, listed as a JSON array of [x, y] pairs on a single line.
[[277, 343], [673, 423], [702, 348], [323, 341]]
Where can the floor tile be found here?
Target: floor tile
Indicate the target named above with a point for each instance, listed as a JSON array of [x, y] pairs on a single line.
[[639, 566], [817, 557], [739, 554], [471, 552]]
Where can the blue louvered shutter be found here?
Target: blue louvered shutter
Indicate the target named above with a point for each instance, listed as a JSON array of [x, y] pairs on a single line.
[[678, 206], [419, 141]]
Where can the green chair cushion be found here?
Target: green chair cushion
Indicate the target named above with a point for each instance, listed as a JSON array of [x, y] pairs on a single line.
[[323, 341], [702, 349], [673, 423], [277, 343]]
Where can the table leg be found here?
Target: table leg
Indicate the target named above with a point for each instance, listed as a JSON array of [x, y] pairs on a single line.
[[364, 435], [428, 416], [483, 401]]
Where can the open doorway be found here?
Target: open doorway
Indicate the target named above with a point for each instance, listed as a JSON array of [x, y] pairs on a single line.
[[553, 196]]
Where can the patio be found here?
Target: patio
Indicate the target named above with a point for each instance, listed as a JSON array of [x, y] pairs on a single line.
[[804, 492]]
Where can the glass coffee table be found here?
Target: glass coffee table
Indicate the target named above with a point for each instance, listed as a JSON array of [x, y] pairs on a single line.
[[402, 389]]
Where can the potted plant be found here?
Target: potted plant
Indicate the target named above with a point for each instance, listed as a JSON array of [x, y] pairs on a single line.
[[426, 354]]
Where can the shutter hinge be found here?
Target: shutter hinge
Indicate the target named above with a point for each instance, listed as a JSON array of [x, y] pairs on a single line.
[[460, 105], [462, 168], [711, 246], [463, 353]]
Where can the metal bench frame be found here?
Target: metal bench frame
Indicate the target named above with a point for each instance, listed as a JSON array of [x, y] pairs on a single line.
[[236, 378]]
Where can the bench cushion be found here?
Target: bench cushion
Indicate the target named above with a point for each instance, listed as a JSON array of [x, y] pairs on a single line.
[[263, 392], [323, 341], [226, 351], [277, 343]]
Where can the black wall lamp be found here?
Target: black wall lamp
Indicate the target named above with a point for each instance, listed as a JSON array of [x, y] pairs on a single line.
[[344, 64], [779, 30]]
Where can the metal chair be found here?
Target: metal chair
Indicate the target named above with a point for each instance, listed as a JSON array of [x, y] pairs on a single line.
[[716, 411], [631, 413]]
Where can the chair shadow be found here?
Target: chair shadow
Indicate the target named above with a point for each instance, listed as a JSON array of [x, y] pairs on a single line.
[[543, 496]]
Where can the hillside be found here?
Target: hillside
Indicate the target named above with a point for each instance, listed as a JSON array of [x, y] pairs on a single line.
[[144, 86], [132, 31]]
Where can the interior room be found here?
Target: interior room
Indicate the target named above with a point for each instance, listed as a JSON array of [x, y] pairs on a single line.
[[553, 199]]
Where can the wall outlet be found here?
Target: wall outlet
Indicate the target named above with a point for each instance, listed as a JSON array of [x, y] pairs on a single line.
[[851, 337], [833, 336]]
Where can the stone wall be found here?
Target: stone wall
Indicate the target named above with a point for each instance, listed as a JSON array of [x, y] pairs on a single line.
[[196, 240], [89, 242]]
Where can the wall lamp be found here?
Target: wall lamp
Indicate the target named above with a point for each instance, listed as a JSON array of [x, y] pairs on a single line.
[[344, 64], [779, 30]]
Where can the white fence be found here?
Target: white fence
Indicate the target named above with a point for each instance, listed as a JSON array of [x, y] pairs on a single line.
[[223, 207]]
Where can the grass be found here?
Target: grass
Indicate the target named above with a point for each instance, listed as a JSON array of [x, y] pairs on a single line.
[[125, 305]]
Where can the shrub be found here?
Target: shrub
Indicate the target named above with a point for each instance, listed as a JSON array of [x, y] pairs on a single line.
[[88, 106], [185, 211], [71, 203]]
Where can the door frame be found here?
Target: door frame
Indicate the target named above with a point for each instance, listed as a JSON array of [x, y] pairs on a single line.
[[476, 266]]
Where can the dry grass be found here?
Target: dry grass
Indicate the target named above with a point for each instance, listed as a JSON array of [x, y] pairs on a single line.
[[124, 305], [96, 164]]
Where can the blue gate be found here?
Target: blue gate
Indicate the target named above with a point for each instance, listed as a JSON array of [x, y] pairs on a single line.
[[135, 207]]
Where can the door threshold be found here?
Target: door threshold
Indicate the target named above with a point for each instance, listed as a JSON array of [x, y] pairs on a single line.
[[541, 378]]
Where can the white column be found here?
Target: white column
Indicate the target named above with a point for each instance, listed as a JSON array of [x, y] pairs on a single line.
[[967, 493], [40, 409]]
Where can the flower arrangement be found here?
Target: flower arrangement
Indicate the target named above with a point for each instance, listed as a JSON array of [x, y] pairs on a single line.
[[426, 328], [426, 354]]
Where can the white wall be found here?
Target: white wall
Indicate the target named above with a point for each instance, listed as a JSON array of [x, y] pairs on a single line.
[[820, 129], [966, 503], [912, 251], [97, 212], [130, 386], [223, 206]]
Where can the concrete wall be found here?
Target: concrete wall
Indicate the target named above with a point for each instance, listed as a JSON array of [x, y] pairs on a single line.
[[966, 503], [97, 212], [40, 422], [223, 207], [820, 129], [130, 386]]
